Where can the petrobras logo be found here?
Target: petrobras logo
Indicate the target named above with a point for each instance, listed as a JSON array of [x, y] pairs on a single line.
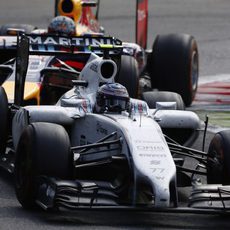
[[73, 41]]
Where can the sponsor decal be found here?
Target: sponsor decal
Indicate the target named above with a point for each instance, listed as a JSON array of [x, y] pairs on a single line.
[[94, 67], [34, 64], [152, 155], [141, 15], [158, 170], [100, 129], [86, 106], [145, 141], [150, 148], [73, 41], [155, 162], [139, 107], [46, 43]]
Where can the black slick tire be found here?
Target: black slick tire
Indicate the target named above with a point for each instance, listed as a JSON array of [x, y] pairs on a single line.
[[173, 65], [151, 97], [43, 149], [128, 75], [218, 165]]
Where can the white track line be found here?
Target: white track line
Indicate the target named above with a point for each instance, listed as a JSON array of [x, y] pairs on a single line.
[[213, 78]]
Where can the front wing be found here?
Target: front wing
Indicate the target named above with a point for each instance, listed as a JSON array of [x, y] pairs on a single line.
[[53, 193]]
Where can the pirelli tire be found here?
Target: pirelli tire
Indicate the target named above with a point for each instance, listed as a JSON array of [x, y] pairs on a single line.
[[152, 97], [128, 75], [43, 149], [26, 28], [174, 65], [4, 115], [218, 165]]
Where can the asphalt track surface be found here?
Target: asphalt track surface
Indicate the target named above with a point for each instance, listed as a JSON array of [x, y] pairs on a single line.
[[208, 21]]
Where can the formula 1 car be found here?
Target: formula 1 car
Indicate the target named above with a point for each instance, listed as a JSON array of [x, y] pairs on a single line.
[[99, 148], [171, 65]]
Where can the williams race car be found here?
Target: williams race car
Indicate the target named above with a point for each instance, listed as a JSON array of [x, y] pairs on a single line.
[[99, 148], [171, 65]]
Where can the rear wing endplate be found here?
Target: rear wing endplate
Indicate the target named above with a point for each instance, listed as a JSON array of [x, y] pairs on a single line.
[[21, 68]]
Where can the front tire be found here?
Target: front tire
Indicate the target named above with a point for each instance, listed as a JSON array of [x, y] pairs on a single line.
[[173, 65], [218, 167], [43, 149]]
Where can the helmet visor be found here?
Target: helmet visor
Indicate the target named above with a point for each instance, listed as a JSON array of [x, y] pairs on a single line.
[[115, 104]]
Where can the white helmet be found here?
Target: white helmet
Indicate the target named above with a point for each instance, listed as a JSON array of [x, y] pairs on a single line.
[[112, 97]]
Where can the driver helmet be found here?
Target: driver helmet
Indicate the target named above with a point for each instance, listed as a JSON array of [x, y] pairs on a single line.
[[62, 25], [112, 97]]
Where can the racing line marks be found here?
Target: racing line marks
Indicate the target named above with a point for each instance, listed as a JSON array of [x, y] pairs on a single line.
[[216, 92]]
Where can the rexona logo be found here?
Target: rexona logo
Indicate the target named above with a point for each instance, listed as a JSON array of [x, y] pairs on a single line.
[[73, 41]]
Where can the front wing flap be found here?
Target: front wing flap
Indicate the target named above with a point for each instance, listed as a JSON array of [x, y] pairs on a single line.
[[53, 193], [210, 197], [76, 194]]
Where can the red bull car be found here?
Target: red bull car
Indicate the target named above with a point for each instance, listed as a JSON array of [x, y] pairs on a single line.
[[171, 65]]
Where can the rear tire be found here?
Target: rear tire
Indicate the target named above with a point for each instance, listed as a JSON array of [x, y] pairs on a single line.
[[173, 65], [43, 149], [128, 75], [218, 167], [151, 97]]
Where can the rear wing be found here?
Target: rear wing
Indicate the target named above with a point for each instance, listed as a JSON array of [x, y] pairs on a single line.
[[51, 45], [142, 23]]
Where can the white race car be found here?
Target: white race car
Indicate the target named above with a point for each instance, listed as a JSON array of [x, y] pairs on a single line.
[[97, 147]]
